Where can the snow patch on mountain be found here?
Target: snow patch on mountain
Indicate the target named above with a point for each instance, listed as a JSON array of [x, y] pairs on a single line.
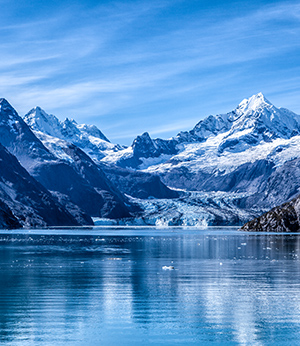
[[115, 156], [55, 145], [206, 157]]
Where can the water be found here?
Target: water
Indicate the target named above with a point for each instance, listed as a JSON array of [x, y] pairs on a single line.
[[108, 287]]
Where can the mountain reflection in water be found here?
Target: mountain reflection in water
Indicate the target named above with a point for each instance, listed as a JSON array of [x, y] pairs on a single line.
[[229, 289]]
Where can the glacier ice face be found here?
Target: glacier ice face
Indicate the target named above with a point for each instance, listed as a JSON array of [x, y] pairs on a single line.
[[197, 209]]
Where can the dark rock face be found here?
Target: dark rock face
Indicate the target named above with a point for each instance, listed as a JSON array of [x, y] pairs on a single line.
[[29, 202], [7, 219], [143, 146], [276, 185], [284, 218], [80, 216], [280, 186], [138, 184], [105, 197]]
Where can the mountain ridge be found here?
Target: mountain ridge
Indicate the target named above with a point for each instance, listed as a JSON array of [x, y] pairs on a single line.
[[87, 137], [237, 152], [223, 171]]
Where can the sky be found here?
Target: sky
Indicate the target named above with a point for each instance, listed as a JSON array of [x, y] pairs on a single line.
[[156, 66]]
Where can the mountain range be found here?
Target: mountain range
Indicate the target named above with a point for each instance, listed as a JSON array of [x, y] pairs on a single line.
[[227, 170]]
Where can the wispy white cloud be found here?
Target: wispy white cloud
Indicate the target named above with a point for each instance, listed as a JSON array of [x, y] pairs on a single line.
[[120, 59]]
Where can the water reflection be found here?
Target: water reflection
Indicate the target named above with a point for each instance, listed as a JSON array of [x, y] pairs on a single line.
[[224, 289]]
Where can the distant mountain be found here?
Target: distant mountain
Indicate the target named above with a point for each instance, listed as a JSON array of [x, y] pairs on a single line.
[[66, 181], [255, 119], [87, 137], [233, 152], [57, 136], [218, 143], [248, 151]]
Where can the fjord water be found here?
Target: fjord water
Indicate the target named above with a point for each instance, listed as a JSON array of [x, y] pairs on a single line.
[[108, 287]]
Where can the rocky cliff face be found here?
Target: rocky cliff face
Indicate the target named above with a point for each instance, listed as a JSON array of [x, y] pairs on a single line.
[[7, 219], [284, 218]]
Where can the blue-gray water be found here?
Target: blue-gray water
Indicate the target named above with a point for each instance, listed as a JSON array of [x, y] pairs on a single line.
[[108, 287]]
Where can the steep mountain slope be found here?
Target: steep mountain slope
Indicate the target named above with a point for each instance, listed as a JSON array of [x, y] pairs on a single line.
[[64, 179], [25, 200], [138, 184], [100, 198], [17, 137]]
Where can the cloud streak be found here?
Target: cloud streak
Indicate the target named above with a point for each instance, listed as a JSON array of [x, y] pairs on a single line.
[[141, 60]]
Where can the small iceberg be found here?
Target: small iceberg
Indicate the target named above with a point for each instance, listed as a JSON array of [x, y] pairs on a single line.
[[168, 268]]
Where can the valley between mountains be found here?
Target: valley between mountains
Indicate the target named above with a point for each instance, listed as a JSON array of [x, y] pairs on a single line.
[[228, 170]]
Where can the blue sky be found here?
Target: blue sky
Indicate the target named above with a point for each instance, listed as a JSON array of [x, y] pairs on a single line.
[[156, 66]]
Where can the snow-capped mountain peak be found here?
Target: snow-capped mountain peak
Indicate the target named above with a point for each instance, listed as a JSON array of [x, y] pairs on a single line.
[[39, 120], [87, 137], [92, 130], [243, 117], [253, 104], [254, 120], [7, 111], [4, 102], [264, 120], [254, 123]]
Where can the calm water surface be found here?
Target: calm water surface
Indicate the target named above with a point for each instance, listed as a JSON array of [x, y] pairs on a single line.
[[108, 287]]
